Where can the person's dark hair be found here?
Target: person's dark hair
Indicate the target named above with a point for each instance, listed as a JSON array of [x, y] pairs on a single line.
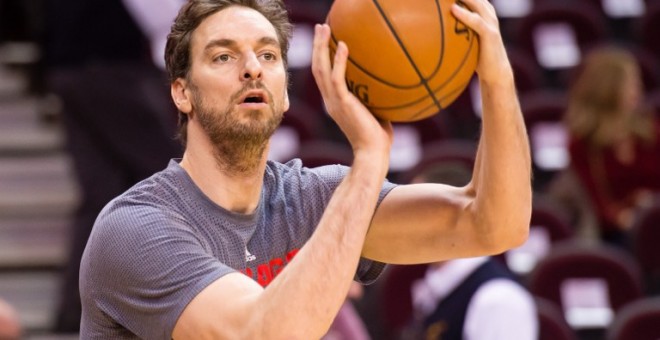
[[191, 15]]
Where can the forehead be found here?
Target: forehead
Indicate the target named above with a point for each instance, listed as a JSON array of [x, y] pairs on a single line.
[[238, 23]]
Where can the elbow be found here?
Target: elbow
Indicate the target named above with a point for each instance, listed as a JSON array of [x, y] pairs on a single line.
[[516, 230], [505, 232], [513, 237], [517, 236], [515, 223]]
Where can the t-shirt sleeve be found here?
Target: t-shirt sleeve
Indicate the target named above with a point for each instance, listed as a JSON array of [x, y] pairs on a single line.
[[332, 175], [147, 290]]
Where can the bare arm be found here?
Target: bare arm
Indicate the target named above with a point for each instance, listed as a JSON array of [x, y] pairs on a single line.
[[303, 300], [432, 222]]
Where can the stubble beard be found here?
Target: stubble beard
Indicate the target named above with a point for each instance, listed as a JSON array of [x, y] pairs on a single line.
[[238, 147]]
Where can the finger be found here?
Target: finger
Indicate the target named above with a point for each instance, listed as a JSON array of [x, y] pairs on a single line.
[[479, 15], [482, 7], [321, 58], [472, 19], [339, 70]]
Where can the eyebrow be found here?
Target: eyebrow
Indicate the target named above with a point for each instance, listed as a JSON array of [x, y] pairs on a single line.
[[264, 41]]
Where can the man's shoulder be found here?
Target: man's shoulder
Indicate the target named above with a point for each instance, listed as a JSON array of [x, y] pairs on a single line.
[[153, 198], [165, 184]]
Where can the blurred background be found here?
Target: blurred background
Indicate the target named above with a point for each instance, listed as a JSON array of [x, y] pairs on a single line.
[[76, 78]]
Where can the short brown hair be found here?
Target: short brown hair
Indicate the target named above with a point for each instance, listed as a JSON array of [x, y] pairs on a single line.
[[191, 15]]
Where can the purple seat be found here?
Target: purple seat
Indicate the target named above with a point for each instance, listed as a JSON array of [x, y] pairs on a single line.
[[648, 30], [552, 324], [396, 296], [594, 267], [323, 152], [441, 152], [588, 25], [637, 320], [646, 233]]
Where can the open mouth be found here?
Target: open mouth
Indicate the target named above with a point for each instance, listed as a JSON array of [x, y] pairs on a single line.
[[254, 99]]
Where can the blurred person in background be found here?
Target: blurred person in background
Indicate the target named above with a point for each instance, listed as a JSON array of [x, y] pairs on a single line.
[[614, 140], [472, 299], [117, 115], [10, 326]]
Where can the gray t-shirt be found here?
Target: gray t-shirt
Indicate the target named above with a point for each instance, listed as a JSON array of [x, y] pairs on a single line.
[[155, 247]]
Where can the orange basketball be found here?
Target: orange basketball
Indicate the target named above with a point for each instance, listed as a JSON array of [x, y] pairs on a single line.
[[407, 59]]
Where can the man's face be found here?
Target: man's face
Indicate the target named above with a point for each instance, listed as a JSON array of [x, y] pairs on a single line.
[[237, 80]]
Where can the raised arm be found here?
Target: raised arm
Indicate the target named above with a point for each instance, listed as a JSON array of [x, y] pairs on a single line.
[[431, 222], [303, 300]]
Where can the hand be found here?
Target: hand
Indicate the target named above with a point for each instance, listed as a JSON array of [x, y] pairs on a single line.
[[360, 126], [493, 65]]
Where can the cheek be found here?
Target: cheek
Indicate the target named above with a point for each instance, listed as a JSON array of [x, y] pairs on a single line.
[[214, 86], [283, 94], [215, 98]]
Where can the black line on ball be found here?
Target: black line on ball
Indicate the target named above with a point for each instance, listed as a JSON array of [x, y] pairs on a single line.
[[459, 89], [413, 102], [438, 66], [371, 74], [405, 51], [460, 66]]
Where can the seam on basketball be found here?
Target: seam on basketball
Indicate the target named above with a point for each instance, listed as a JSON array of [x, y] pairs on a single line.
[[405, 50]]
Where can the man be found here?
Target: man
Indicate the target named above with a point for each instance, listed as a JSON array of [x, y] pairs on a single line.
[[198, 250]]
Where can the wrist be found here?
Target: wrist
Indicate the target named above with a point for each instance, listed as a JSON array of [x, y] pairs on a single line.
[[375, 162], [503, 79]]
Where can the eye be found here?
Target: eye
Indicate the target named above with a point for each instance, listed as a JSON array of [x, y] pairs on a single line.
[[269, 56], [222, 58]]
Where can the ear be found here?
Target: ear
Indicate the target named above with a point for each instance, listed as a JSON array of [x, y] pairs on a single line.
[[181, 95]]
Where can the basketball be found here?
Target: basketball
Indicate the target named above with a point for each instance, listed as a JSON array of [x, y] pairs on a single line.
[[407, 60]]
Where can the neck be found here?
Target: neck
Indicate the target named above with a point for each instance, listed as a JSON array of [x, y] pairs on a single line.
[[230, 175]]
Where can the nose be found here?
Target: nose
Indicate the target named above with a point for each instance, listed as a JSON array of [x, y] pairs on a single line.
[[252, 68]]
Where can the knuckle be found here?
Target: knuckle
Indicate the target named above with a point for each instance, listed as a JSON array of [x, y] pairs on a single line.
[[316, 70], [338, 81]]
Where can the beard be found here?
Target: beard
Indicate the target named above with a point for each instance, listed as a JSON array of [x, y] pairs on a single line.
[[238, 145]]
